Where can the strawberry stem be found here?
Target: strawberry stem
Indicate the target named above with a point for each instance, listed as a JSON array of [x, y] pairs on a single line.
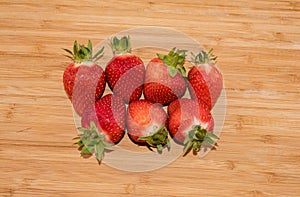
[[92, 141], [120, 46], [158, 139], [196, 137], [204, 57], [174, 60]]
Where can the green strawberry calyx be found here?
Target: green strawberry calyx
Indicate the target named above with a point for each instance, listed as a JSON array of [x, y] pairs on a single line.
[[92, 141], [120, 46], [82, 53], [203, 57], [174, 60], [196, 137], [158, 139]]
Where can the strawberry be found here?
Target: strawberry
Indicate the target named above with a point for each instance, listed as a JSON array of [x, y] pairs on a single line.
[[103, 126], [191, 125], [205, 80], [164, 81], [125, 72], [146, 124], [84, 80], [184, 103]]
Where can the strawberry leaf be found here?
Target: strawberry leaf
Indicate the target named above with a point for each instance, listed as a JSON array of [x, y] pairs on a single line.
[[193, 55], [159, 147], [85, 150], [203, 57], [192, 133], [68, 51], [174, 60], [172, 71], [182, 70], [93, 126], [120, 46], [211, 135], [196, 146], [75, 49], [90, 46], [181, 52], [68, 56], [144, 138], [208, 140], [171, 53], [158, 139], [82, 130], [124, 42], [187, 147], [85, 51], [168, 144], [81, 53], [106, 144], [181, 59], [92, 141], [196, 137], [100, 52], [99, 150], [187, 139], [160, 56], [79, 143]]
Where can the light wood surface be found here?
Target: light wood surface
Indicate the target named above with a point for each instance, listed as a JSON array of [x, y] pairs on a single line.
[[258, 45]]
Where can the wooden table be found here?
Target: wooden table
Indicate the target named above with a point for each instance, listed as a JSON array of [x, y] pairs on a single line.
[[258, 44]]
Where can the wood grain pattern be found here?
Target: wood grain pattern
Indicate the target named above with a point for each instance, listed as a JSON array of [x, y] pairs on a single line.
[[258, 44]]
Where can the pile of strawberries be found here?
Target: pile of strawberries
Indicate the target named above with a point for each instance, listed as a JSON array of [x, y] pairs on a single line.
[[162, 111]]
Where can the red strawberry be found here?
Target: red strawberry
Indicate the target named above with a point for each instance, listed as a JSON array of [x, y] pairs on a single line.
[[191, 125], [164, 81], [146, 124], [205, 80], [103, 126], [84, 81], [125, 72], [185, 103]]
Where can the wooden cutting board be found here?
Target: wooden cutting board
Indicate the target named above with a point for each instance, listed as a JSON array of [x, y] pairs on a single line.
[[258, 48]]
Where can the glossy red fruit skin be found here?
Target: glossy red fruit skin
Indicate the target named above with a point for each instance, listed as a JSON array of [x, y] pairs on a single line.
[[109, 116], [159, 86], [182, 103], [142, 119], [183, 118], [205, 84], [125, 76], [84, 84]]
